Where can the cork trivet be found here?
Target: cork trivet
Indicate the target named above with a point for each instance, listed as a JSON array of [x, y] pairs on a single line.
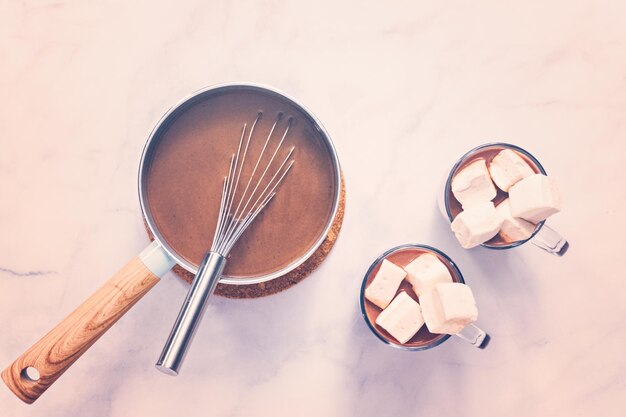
[[285, 281]]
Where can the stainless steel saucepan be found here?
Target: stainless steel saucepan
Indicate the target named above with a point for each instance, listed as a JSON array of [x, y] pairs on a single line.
[[43, 363]]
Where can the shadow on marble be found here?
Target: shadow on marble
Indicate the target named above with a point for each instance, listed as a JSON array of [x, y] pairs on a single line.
[[390, 381], [261, 333]]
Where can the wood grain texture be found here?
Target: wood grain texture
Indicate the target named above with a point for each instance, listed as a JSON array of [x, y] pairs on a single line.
[[62, 346]]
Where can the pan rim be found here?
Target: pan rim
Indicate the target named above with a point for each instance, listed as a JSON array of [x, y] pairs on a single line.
[[171, 112]]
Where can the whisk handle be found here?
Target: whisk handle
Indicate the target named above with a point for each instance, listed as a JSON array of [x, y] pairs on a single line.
[[191, 313]]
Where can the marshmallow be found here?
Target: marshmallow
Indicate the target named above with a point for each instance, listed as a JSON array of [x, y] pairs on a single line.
[[513, 228], [535, 198], [385, 284], [448, 308], [476, 224], [425, 271], [402, 319], [473, 185], [507, 168]]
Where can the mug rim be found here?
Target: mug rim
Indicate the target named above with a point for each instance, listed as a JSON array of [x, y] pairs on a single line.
[[379, 259], [462, 159]]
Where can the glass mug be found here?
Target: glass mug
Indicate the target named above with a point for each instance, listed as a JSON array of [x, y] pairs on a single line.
[[423, 339], [543, 236]]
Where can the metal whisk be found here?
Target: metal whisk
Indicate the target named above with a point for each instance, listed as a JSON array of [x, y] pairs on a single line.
[[239, 206]]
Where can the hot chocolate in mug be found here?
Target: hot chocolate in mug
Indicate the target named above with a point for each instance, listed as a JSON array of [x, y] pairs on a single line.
[[543, 236]]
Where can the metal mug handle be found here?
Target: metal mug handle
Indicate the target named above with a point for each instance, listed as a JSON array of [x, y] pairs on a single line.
[[550, 241], [474, 335], [191, 313]]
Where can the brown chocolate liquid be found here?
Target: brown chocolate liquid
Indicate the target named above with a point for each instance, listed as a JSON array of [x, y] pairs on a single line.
[[487, 153], [191, 159], [402, 258]]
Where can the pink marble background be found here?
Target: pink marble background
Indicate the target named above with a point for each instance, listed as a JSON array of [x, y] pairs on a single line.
[[404, 88]]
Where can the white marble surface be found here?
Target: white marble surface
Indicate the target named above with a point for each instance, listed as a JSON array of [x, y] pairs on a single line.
[[403, 88]]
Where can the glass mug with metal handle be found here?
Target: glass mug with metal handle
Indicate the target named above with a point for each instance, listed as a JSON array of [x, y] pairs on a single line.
[[543, 236], [401, 256]]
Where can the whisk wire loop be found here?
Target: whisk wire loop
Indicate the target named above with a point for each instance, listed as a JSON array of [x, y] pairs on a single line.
[[249, 203]]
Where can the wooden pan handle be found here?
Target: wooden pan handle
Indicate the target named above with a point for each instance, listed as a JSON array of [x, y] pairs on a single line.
[[60, 348]]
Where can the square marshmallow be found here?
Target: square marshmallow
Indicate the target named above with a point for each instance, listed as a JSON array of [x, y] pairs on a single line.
[[535, 198], [448, 308], [473, 185], [425, 271], [513, 228], [402, 319], [507, 168], [476, 224], [385, 284]]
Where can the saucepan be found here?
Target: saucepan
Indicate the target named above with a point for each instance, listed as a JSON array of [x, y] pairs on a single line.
[[43, 363]]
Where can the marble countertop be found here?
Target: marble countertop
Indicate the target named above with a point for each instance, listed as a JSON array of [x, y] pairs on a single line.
[[404, 89]]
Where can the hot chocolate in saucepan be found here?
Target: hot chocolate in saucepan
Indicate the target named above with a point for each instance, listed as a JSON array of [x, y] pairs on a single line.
[[190, 160]]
